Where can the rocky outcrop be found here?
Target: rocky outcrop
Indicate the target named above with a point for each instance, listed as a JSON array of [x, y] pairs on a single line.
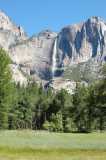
[[32, 57], [60, 83], [7, 25], [79, 43]]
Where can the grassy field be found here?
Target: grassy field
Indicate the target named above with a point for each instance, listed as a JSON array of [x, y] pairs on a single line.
[[30, 145]]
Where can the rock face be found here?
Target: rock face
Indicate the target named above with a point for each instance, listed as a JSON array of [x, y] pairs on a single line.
[[79, 43], [9, 33], [33, 57]]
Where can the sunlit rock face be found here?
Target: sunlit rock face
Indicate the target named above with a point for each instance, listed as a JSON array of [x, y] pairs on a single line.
[[48, 55], [7, 25], [11, 35], [35, 54]]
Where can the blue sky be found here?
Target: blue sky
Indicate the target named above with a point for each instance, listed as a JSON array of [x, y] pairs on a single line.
[[37, 15]]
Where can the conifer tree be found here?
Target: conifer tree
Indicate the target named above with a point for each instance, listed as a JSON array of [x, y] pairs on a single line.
[[5, 88]]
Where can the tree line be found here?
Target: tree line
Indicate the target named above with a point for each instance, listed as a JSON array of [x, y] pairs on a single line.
[[32, 107]]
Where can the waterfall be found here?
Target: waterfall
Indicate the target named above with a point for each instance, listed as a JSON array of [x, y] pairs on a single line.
[[54, 58]]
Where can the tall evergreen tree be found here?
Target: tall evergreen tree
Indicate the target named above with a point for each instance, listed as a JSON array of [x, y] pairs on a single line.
[[5, 88]]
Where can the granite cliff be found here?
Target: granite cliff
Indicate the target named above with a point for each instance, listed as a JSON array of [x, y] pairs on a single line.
[[75, 54]]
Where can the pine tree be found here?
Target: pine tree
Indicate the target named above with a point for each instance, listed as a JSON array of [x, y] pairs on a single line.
[[80, 110], [5, 89]]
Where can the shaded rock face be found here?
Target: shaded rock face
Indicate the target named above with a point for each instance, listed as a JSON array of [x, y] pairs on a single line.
[[78, 43], [32, 57]]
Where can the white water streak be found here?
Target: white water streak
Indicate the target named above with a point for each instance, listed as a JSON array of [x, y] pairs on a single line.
[[54, 58]]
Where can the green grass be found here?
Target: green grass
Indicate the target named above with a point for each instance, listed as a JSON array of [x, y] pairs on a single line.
[[31, 145]]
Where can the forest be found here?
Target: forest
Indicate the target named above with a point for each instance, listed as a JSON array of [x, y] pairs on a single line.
[[33, 107]]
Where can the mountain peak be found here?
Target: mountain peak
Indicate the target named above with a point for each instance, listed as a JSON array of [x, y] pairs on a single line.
[[2, 13], [96, 19], [6, 24]]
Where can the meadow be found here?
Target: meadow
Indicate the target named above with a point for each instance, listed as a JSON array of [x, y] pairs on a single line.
[[41, 145]]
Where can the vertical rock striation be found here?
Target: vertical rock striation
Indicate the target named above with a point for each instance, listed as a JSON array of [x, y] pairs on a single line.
[[49, 54]]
